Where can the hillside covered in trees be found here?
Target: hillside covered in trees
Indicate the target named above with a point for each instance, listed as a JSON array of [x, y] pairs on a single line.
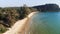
[[48, 8], [9, 15]]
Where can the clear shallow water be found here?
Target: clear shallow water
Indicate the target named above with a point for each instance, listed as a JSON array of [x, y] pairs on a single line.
[[45, 23]]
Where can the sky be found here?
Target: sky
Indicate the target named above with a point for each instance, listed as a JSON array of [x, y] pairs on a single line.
[[18, 3]]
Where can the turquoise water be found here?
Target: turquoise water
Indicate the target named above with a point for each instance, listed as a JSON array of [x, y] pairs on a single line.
[[45, 23]]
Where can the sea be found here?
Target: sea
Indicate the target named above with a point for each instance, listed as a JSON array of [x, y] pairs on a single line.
[[45, 23]]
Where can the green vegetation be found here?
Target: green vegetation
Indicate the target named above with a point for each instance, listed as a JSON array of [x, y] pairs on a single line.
[[9, 15]]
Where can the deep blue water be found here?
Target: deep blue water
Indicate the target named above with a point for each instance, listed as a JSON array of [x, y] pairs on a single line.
[[45, 23]]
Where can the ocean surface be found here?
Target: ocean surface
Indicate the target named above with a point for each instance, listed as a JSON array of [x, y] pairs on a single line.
[[45, 23]]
